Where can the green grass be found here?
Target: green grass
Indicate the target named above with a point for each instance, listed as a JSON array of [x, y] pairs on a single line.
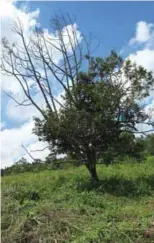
[[64, 206]]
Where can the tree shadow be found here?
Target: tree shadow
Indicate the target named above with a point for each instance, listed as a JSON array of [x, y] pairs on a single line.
[[142, 186]]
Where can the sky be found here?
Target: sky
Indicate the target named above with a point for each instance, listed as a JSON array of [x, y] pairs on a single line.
[[126, 27]]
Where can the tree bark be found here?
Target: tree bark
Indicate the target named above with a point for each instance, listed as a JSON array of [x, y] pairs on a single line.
[[94, 176], [93, 172]]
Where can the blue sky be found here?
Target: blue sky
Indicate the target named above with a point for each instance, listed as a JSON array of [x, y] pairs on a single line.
[[127, 27], [112, 22]]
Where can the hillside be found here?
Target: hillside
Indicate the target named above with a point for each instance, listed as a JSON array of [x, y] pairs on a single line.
[[63, 206]]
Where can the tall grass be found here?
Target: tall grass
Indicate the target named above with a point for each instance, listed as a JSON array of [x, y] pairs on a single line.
[[64, 206]]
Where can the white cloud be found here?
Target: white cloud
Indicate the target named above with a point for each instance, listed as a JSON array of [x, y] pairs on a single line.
[[144, 57], [14, 137], [71, 29], [11, 140], [9, 13], [38, 150], [29, 19], [20, 114], [144, 128], [143, 33], [149, 109], [2, 125]]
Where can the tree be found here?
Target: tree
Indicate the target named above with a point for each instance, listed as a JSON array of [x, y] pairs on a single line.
[[104, 109], [32, 61], [100, 98], [21, 161], [131, 146], [149, 144]]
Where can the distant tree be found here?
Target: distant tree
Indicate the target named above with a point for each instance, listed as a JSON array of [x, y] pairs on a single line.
[[21, 165], [3, 172], [149, 144], [22, 161], [100, 94], [131, 146]]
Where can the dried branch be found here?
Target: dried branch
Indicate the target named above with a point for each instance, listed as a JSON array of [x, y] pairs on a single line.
[[32, 58], [28, 153], [39, 150], [18, 103]]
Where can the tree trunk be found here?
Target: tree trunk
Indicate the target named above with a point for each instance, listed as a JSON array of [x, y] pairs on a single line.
[[93, 172]]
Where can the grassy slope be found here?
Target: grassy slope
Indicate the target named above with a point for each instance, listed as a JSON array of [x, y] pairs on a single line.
[[63, 206]]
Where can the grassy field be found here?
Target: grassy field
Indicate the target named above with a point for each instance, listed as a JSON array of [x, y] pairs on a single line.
[[64, 206]]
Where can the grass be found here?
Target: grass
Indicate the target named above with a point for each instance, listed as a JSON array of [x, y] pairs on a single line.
[[64, 206]]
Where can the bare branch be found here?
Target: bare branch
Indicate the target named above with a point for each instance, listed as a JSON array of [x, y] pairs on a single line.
[[32, 59], [28, 153], [18, 103], [142, 132], [39, 150]]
